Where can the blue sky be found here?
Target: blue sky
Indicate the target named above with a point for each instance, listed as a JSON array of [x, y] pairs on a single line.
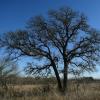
[[15, 13]]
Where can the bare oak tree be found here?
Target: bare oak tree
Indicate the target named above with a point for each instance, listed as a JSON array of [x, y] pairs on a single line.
[[63, 40]]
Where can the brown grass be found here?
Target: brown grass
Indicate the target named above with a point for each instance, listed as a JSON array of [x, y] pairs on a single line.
[[89, 91]]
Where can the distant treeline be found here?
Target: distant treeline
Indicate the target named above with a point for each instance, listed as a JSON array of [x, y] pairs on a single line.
[[28, 80], [38, 80]]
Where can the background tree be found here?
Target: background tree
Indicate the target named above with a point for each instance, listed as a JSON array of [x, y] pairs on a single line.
[[63, 42], [7, 69]]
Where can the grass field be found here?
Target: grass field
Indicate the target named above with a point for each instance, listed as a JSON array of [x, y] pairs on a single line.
[[90, 91]]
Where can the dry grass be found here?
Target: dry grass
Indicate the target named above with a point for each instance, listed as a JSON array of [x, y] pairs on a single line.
[[89, 91]]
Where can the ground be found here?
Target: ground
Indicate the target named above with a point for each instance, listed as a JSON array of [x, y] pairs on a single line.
[[82, 91]]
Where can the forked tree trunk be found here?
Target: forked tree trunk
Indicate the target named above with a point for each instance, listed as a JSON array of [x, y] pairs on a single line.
[[62, 87]]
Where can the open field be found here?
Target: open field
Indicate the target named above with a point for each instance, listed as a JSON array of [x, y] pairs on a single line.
[[89, 91]]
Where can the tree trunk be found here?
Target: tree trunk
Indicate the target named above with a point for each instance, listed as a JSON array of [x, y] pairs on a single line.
[[57, 77], [65, 73], [65, 79]]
